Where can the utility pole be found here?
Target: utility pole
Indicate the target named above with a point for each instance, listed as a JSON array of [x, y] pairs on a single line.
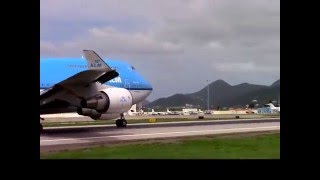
[[208, 96]]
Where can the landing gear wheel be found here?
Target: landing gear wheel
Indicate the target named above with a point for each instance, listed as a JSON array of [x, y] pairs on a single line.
[[121, 123], [124, 123]]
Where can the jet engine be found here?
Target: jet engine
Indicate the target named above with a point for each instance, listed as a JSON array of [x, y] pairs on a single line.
[[108, 103]]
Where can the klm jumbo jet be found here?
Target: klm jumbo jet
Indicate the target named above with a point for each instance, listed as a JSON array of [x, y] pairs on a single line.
[[92, 87]]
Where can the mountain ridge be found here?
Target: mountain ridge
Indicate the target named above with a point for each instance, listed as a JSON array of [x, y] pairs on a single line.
[[222, 94]]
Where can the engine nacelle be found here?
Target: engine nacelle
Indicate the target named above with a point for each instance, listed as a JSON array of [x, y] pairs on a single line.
[[88, 112], [95, 115], [110, 100]]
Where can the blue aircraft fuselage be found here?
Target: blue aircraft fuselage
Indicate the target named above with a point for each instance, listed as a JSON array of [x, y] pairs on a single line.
[[55, 70]]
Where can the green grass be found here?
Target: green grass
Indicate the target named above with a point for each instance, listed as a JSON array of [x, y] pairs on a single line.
[[145, 120], [235, 147]]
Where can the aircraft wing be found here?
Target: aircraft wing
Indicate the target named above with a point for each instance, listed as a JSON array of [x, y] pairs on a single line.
[[98, 71], [89, 76]]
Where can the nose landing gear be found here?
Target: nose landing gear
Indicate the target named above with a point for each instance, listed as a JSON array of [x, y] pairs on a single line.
[[121, 122]]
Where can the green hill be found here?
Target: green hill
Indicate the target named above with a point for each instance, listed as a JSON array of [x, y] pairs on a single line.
[[222, 94]]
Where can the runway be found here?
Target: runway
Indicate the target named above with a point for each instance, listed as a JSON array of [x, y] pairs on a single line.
[[70, 138], [76, 118]]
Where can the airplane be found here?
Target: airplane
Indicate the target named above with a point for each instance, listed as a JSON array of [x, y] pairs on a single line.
[[158, 113], [133, 112], [172, 112], [273, 108], [101, 90], [191, 111]]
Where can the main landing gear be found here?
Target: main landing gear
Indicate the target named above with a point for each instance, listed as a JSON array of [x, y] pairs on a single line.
[[41, 127], [121, 122]]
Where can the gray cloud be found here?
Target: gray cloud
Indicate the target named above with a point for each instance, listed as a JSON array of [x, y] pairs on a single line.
[[175, 44]]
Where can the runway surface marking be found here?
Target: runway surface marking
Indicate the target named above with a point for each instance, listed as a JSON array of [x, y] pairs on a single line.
[[164, 133], [161, 123]]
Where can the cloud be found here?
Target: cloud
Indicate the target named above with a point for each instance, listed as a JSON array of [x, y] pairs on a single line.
[[248, 67], [108, 39], [175, 44]]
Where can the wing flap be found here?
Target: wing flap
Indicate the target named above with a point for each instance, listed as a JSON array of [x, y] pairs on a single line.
[[83, 78]]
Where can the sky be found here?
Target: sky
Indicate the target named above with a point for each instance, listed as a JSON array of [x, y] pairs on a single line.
[[177, 45]]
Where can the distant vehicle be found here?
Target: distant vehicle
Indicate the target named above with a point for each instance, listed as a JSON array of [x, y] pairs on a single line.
[[251, 111]]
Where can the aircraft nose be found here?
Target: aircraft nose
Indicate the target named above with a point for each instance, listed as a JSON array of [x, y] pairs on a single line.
[[146, 84]]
